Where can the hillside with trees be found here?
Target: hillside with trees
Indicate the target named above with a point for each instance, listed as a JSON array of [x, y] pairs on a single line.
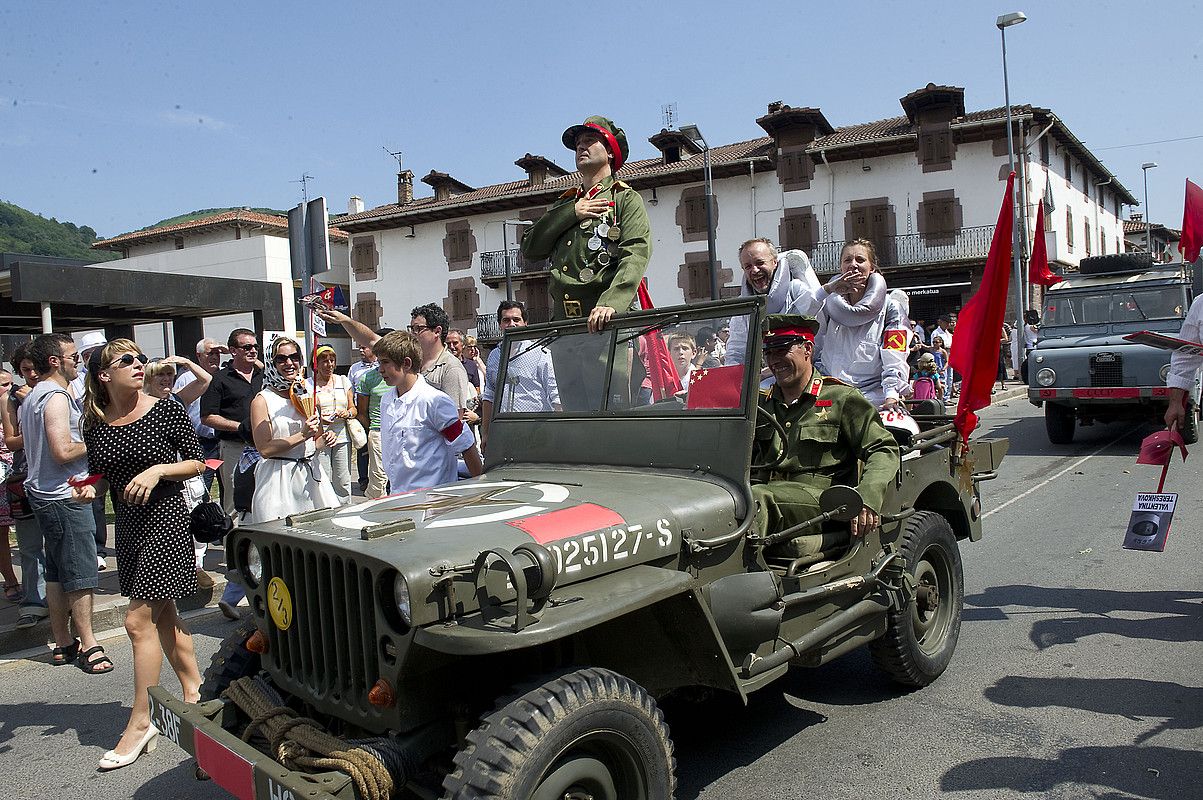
[[23, 231]]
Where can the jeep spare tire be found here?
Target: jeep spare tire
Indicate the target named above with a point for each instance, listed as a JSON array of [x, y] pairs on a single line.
[[921, 637], [588, 733], [1117, 262]]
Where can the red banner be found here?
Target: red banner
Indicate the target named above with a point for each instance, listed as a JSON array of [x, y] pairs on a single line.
[[1192, 223], [661, 371], [1038, 271]]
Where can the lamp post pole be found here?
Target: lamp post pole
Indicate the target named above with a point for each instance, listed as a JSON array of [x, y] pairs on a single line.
[[1004, 22], [1145, 167]]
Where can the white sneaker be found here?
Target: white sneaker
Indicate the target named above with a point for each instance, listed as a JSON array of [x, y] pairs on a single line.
[[101, 564]]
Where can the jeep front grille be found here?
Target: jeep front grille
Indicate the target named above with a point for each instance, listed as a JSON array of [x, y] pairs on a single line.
[[1106, 369], [329, 651]]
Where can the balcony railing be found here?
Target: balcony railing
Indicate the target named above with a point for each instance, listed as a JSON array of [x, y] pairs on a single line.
[[487, 329], [492, 265], [914, 249]]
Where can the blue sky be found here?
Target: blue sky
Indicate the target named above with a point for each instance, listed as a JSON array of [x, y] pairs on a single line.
[[121, 114]]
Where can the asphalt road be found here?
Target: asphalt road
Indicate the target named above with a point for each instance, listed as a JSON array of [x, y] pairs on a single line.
[[1077, 674]]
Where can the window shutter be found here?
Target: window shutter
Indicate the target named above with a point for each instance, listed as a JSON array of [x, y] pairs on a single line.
[[1069, 228], [695, 215], [1086, 240]]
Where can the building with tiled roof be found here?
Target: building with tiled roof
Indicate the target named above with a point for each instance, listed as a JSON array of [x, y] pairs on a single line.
[[925, 186], [1165, 240], [230, 244]]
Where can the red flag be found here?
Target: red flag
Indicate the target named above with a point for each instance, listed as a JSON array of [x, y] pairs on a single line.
[[716, 387], [1192, 223], [975, 346], [1038, 271], [661, 371]]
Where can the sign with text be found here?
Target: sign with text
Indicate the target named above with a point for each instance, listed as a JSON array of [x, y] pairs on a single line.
[[1149, 526]]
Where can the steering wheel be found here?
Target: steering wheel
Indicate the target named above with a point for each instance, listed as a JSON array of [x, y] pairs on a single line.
[[765, 418]]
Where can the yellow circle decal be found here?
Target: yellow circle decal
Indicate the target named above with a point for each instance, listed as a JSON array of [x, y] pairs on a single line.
[[279, 603]]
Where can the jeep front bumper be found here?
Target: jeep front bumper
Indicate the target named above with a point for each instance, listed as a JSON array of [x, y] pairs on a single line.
[[1104, 394], [236, 766]]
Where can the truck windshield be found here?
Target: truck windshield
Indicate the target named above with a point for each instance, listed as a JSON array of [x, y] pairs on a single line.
[[661, 364], [1114, 304]]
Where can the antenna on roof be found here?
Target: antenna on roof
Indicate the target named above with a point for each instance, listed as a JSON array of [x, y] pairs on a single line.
[[304, 181], [668, 112], [396, 155]]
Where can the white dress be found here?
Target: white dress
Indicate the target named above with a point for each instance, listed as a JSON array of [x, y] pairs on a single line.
[[293, 481]]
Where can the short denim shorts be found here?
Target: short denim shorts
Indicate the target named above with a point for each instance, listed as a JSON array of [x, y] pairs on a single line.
[[68, 533]]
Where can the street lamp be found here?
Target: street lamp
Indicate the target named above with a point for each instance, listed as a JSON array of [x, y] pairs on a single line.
[[1145, 167], [1004, 22], [505, 251], [692, 133]]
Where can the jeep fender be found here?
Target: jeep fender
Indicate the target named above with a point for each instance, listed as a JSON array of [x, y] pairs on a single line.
[[645, 622]]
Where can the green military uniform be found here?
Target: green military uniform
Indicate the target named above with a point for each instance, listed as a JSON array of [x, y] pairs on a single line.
[[593, 262], [831, 431]]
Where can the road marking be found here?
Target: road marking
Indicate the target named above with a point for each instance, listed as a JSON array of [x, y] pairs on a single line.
[[1049, 480]]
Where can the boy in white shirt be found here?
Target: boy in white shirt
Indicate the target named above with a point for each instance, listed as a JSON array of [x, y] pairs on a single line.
[[420, 428]]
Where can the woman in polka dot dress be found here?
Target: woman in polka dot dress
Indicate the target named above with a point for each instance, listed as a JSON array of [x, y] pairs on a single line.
[[144, 448]]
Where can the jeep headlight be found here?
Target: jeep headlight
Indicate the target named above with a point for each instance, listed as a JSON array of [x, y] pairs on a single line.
[[401, 598], [1165, 373], [1046, 376], [254, 565]]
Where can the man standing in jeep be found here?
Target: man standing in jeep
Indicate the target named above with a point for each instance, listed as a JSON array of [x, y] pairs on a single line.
[[830, 428], [1184, 367]]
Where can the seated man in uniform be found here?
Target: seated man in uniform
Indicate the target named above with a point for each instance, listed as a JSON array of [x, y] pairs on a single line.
[[831, 430]]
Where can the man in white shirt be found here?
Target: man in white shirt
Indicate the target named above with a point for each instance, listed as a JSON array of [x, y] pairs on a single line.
[[421, 430], [531, 378], [1184, 368], [946, 324]]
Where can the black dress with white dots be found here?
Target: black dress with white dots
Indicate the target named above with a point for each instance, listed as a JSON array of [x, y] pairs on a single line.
[[155, 556]]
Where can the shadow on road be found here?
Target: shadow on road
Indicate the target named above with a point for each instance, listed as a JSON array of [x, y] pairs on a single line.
[[58, 718], [1180, 707], [1162, 773], [1178, 622], [720, 735]]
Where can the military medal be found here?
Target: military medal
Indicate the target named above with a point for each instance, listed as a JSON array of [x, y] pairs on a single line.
[[613, 233], [603, 259], [585, 224], [603, 228], [586, 275], [594, 243]]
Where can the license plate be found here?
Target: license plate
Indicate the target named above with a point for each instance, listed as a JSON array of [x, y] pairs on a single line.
[[1123, 392], [228, 770]]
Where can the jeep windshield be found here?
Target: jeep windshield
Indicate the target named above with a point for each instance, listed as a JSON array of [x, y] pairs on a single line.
[[654, 362], [1119, 304]]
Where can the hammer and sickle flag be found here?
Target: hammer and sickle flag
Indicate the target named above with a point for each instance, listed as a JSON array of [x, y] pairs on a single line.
[[895, 340]]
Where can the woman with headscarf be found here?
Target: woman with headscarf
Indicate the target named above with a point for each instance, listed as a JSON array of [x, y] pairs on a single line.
[[863, 334], [335, 403], [142, 449], [287, 431]]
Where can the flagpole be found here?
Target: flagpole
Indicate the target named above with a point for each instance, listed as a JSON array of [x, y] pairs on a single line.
[[1004, 22]]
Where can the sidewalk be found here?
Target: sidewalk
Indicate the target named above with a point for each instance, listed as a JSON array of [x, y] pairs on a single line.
[[109, 611]]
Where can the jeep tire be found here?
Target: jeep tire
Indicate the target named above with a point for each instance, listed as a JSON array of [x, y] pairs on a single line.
[[1190, 428], [921, 637], [1059, 423], [588, 733], [231, 662]]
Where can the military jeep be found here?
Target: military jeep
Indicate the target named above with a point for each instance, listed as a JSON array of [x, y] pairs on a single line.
[[509, 636]]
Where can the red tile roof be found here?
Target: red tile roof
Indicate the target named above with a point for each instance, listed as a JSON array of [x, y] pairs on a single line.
[[243, 217], [1139, 226]]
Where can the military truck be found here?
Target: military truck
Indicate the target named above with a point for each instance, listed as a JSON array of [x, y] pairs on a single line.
[[510, 636], [1082, 370]]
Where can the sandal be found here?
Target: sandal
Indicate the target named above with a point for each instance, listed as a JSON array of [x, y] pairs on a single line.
[[65, 655], [13, 593], [98, 667]]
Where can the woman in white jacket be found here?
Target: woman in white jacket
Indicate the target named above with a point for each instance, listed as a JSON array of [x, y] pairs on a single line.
[[793, 290], [863, 334]]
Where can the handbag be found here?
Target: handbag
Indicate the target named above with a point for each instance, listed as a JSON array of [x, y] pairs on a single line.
[[18, 501], [356, 433], [207, 520]]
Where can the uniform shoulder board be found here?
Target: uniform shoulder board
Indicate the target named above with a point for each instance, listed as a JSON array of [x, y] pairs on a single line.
[[621, 185], [829, 381], [765, 394], [568, 193]]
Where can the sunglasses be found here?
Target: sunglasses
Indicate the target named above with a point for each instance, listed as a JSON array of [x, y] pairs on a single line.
[[247, 347], [128, 360], [415, 329], [294, 357]]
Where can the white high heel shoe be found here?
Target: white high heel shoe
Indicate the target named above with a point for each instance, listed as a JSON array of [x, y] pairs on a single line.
[[114, 760]]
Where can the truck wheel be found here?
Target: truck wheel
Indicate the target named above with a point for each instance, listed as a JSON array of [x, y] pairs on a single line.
[[231, 662], [589, 733], [1059, 423], [921, 637]]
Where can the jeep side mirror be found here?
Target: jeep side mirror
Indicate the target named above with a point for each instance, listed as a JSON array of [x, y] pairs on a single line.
[[841, 502]]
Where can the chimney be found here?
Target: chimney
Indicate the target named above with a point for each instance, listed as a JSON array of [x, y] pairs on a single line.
[[539, 169], [674, 146], [794, 126], [405, 187], [355, 205], [1136, 216], [934, 104], [445, 187]]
